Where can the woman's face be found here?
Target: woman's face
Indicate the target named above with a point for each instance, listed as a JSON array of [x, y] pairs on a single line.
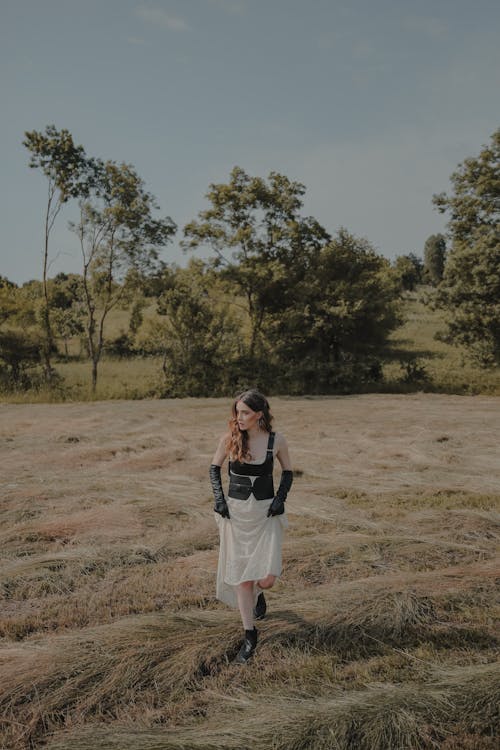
[[246, 417]]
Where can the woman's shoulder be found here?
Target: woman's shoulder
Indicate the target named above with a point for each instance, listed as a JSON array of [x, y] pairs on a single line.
[[279, 440], [221, 451]]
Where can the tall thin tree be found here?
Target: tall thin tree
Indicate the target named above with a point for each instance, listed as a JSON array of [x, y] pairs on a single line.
[[68, 173], [118, 231]]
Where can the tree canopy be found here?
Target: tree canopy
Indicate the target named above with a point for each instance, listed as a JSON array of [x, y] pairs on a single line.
[[262, 245], [318, 309], [118, 231], [434, 258], [409, 270], [70, 174], [470, 290], [337, 320], [281, 303]]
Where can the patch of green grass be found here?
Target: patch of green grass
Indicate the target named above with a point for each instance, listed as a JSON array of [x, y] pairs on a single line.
[[133, 378], [117, 378], [442, 367]]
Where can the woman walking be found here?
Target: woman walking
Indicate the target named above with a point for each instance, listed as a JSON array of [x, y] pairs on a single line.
[[252, 517]]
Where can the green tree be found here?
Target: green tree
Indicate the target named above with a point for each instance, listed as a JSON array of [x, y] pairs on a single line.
[[19, 305], [19, 354], [263, 246], [8, 299], [19, 346], [470, 290], [118, 231], [69, 174], [65, 294], [136, 315], [434, 258], [329, 337], [195, 334], [409, 270], [68, 323]]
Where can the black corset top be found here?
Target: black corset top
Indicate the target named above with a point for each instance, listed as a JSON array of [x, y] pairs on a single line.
[[257, 479], [255, 470]]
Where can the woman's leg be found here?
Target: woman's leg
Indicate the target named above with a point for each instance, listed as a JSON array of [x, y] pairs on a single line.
[[260, 607], [244, 593]]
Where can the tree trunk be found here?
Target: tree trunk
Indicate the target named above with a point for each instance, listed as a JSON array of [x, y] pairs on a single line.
[[253, 323], [47, 345], [48, 342], [95, 362], [54, 205]]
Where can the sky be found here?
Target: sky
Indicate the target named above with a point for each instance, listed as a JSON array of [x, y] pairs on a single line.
[[371, 104]]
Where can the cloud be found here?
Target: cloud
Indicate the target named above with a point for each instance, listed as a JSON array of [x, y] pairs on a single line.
[[160, 17]]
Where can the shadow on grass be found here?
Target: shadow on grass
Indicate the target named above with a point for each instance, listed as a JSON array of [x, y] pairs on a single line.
[[352, 641], [395, 354]]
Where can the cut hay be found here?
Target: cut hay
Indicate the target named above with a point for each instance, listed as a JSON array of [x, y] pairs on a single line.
[[411, 716], [99, 671], [381, 633], [155, 659]]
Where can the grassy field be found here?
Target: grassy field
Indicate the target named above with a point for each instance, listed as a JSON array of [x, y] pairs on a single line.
[[382, 633], [433, 366], [447, 368]]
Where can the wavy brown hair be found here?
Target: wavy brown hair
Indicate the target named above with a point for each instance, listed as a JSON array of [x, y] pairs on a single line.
[[237, 441]]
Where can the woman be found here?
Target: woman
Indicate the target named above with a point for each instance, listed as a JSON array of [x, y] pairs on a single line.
[[251, 519]]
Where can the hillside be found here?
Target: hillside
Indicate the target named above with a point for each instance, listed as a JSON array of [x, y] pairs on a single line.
[[433, 365], [382, 632]]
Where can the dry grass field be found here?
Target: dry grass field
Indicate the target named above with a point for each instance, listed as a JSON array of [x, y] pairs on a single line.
[[381, 634]]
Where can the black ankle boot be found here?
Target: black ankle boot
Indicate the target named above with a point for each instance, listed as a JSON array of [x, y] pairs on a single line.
[[247, 647], [259, 611]]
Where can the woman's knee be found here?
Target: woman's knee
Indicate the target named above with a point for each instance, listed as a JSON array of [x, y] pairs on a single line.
[[246, 585], [267, 582]]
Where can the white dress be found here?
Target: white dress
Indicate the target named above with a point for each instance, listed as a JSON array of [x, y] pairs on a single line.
[[250, 542]]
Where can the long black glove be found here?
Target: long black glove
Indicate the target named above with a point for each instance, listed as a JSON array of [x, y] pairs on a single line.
[[277, 506], [220, 505]]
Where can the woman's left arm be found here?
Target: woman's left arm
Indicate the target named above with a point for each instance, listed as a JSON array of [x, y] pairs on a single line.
[[282, 452], [277, 506]]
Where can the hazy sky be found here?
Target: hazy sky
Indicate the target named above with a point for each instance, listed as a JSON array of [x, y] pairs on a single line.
[[370, 103]]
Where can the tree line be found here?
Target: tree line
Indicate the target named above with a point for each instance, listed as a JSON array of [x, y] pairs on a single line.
[[281, 302]]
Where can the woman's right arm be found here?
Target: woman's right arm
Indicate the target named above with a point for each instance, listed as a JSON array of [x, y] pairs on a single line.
[[221, 452], [220, 505]]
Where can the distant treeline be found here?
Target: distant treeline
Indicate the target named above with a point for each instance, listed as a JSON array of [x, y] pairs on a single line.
[[282, 303]]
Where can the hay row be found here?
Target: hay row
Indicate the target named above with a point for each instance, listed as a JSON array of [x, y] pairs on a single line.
[[410, 716], [154, 659]]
